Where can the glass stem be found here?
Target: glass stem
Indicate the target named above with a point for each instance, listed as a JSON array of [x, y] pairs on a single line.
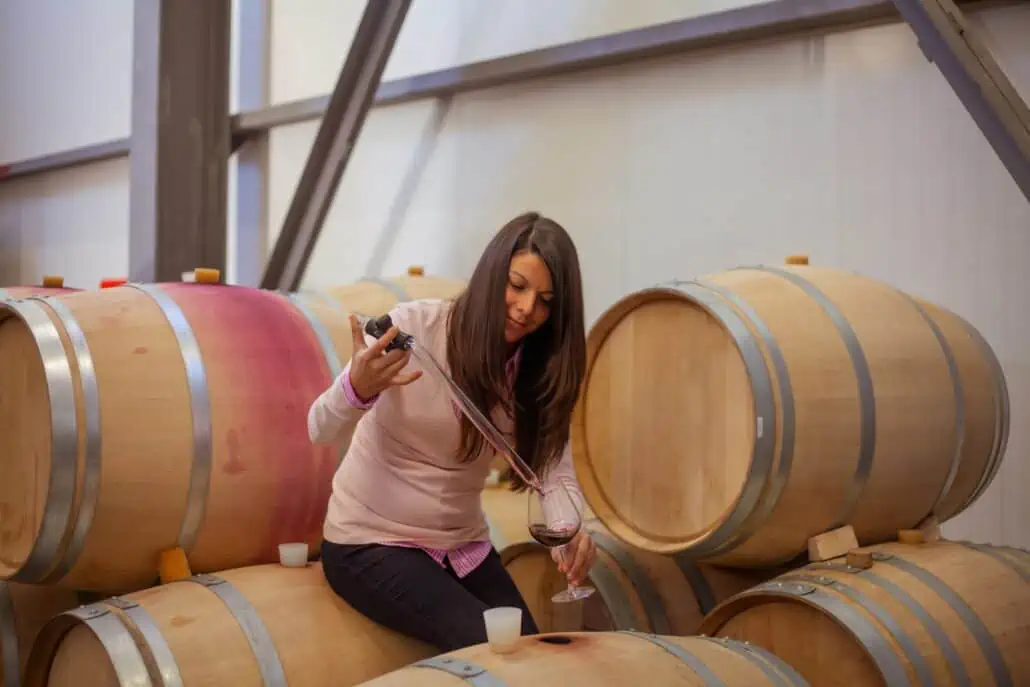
[[563, 560]]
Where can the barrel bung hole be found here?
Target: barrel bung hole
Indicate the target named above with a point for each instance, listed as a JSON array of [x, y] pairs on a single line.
[[561, 641]]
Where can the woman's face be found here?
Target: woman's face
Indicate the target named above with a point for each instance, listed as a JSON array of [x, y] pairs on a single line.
[[528, 296]]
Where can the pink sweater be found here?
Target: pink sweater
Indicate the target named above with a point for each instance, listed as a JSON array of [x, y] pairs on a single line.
[[400, 481]]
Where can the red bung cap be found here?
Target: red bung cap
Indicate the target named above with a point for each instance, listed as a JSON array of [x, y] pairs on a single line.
[[112, 281]]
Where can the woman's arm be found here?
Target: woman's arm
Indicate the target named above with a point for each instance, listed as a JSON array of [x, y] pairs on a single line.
[[335, 413]]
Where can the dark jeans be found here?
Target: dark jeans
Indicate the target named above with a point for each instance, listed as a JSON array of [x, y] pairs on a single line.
[[407, 591]]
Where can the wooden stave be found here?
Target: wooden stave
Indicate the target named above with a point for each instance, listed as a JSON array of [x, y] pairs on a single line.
[[140, 650], [58, 549], [670, 661], [773, 453], [887, 640]]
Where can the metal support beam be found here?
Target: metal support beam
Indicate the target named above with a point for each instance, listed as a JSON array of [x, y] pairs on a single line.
[[180, 140], [345, 116], [66, 159], [249, 241], [951, 43]]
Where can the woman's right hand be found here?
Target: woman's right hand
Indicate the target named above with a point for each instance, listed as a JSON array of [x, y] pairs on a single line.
[[371, 370]]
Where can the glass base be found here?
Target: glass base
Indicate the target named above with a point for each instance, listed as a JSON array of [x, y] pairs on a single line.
[[572, 594]]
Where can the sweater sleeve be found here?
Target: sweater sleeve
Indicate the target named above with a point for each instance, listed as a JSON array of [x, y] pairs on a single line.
[[333, 416]]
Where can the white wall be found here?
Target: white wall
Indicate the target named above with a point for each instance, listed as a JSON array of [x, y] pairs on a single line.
[[65, 82], [72, 223], [851, 148]]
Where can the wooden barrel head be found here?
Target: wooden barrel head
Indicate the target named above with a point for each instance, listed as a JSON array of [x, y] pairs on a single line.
[[666, 423], [25, 421]]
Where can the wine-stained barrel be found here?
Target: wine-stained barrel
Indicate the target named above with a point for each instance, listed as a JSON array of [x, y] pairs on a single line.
[[373, 296], [943, 613], [636, 589], [735, 416], [249, 627], [141, 418], [600, 659]]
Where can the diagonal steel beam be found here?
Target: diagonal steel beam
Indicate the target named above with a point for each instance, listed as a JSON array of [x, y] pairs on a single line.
[[948, 40], [337, 134]]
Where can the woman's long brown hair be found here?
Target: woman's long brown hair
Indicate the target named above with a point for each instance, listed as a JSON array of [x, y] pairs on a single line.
[[553, 360]]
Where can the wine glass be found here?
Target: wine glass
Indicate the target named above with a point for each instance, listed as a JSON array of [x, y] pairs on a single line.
[[554, 521]]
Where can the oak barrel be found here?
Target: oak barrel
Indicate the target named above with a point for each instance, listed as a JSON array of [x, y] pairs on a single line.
[[24, 609], [941, 613], [601, 658], [735, 416], [139, 418], [373, 296], [636, 589], [255, 626]]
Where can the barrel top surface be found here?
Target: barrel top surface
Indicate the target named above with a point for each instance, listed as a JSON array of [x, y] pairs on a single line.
[[666, 423], [24, 440], [600, 658]]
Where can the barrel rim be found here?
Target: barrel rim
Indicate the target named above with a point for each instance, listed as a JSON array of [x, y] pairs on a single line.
[[109, 629], [64, 433], [1002, 426], [86, 374], [958, 391], [749, 493], [786, 429], [805, 591]]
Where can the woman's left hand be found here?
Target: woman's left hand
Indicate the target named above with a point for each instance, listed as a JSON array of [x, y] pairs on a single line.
[[579, 557]]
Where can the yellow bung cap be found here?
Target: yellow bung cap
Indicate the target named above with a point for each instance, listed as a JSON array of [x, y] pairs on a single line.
[[206, 275]]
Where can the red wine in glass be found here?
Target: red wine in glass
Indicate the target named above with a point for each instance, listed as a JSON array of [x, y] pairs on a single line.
[[552, 537], [554, 521]]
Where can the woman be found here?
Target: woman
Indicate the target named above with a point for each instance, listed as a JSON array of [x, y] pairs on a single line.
[[406, 540]]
